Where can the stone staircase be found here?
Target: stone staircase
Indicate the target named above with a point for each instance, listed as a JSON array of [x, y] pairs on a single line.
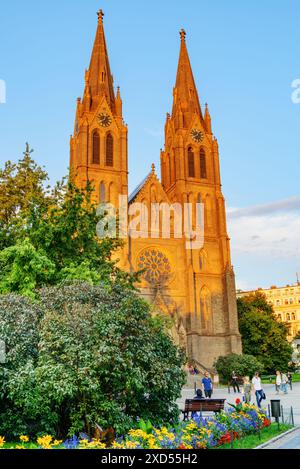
[[194, 381]]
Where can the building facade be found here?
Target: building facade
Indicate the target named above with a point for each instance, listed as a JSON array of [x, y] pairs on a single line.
[[193, 286], [286, 305]]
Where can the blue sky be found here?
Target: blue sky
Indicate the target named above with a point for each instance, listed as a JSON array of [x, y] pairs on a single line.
[[244, 55]]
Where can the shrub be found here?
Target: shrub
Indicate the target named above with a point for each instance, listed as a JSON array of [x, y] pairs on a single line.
[[243, 365], [95, 355]]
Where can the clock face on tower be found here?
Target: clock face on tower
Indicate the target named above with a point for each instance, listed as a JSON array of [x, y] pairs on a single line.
[[197, 135], [104, 119]]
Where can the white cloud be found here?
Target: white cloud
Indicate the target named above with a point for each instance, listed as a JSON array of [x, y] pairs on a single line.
[[265, 243], [277, 236]]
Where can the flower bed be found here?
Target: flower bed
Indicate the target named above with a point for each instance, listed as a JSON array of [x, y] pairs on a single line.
[[198, 433]]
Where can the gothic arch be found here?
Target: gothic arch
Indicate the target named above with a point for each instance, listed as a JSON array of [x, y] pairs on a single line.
[[191, 162], [111, 193], [205, 309], [95, 147], [102, 195], [203, 163], [202, 260], [208, 211], [109, 150]]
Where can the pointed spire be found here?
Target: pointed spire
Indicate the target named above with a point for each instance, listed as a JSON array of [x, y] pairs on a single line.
[[118, 103], [207, 118], [99, 78], [185, 91]]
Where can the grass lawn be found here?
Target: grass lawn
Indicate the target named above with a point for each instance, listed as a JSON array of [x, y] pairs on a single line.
[[271, 379], [251, 441]]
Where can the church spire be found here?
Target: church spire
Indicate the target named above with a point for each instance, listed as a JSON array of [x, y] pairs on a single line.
[[100, 80], [186, 98]]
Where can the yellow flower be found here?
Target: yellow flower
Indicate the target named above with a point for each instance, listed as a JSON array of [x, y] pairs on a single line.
[[138, 434], [57, 442], [2, 441], [45, 441], [19, 447], [24, 438], [131, 444]]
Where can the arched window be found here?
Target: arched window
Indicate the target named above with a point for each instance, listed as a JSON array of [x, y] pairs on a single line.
[[288, 317], [102, 192], [202, 260], [205, 308], [109, 160], [203, 173], [96, 148], [293, 317], [191, 163]]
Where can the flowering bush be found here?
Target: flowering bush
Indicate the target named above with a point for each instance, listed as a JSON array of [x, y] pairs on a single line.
[[198, 433]]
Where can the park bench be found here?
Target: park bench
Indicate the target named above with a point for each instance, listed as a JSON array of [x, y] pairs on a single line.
[[202, 405]]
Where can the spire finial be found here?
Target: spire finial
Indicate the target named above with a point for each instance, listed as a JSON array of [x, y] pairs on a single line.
[[100, 15], [182, 34], [153, 168]]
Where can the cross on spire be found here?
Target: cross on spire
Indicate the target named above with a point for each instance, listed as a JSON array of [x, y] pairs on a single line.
[[100, 15], [182, 34]]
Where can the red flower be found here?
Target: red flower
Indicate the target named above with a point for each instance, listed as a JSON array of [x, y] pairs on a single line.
[[226, 438], [238, 401], [181, 446], [266, 423]]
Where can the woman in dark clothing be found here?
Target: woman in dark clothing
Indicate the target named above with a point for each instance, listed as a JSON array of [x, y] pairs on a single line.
[[234, 381]]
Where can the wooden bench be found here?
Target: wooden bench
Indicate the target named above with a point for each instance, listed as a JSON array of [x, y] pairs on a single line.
[[202, 405]]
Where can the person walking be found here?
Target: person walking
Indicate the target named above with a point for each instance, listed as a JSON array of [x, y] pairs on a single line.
[[207, 385], [256, 382], [290, 378], [234, 382], [278, 381], [247, 390], [284, 383]]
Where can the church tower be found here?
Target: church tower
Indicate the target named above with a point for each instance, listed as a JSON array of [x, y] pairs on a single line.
[[191, 174], [98, 146]]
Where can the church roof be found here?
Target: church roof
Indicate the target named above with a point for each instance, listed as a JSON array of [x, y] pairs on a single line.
[[138, 188]]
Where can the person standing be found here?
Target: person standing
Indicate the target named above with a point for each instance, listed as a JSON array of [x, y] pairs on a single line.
[[207, 385], [256, 381], [278, 381], [284, 382], [247, 390], [234, 382]]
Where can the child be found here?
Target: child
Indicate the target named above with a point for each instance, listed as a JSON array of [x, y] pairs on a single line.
[[247, 390]]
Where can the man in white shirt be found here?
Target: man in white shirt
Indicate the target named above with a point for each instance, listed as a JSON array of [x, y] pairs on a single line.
[[256, 382]]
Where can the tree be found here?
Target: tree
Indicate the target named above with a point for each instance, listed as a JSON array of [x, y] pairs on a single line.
[[262, 335], [102, 358], [22, 185], [243, 365], [48, 236], [19, 331], [23, 269]]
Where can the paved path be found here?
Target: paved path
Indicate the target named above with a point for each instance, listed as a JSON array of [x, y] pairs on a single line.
[[286, 400], [290, 441]]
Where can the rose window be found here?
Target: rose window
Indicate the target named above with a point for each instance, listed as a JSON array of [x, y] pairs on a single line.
[[155, 265]]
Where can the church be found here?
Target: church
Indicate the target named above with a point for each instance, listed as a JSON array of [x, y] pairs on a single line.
[[194, 287]]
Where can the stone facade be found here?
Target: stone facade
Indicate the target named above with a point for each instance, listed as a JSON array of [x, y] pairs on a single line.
[[195, 287]]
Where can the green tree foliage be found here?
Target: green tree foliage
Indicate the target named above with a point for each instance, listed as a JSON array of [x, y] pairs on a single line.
[[243, 365], [48, 236], [84, 355], [22, 186], [23, 268], [262, 335]]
